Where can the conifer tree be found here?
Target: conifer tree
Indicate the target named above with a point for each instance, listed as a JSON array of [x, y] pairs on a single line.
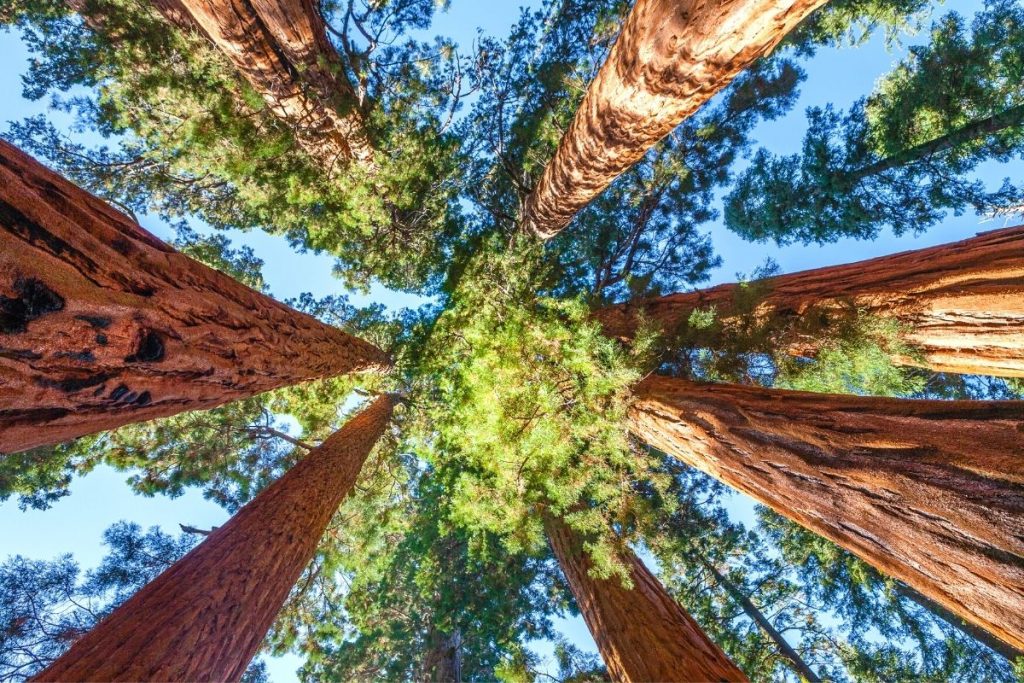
[[667, 61], [641, 632], [205, 617], [956, 306], [902, 157], [282, 49], [103, 324], [898, 483]]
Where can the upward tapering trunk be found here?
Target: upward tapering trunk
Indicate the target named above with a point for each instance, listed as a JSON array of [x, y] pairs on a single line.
[[962, 304], [1009, 118], [281, 48], [754, 613], [671, 57], [929, 492], [204, 618], [642, 633], [442, 662], [102, 324]]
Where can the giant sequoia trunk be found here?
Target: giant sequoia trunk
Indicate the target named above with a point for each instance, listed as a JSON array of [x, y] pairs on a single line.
[[102, 324], [204, 618], [962, 304], [281, 48], [929, 492], [443, 659], [643, 634], [671, 57]]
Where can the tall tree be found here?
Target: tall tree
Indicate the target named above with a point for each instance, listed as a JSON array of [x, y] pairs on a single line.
[[867, 606], [667, 61], [958, 305], [192, 137], [282, 49], [46, 606], [641, 632], [928, 492], [205, 617], [901, 158], [103, 324]]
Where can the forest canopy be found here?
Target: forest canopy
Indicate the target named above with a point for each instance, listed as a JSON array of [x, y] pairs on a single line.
[[806, 475]]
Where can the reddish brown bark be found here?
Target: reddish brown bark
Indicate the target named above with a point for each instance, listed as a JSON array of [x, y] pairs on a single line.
[[929, 492], [102, 324], [642, 633], [443, 660], [281, 48], [204, 618], [671, 57], [962, 303]]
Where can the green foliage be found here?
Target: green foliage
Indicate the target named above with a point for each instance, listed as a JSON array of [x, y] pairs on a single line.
[[856, 358], [901, 158], [529, 398], [194, 139], [852, 22], [430, 587]]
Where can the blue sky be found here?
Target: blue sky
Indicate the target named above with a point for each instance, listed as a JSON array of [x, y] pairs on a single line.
[[74, 525]]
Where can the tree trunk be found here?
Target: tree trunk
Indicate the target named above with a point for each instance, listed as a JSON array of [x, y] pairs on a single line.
[[643, 634], [996, 123], [1011, 654], [962, 303], [443, 661], [929, 492], [281, 48], [102, 324], [754, 614], [205, 617], [671, 57]]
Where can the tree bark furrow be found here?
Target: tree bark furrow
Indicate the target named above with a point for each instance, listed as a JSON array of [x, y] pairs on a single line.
[[961, 304], [102, 324], [642, 633], [670, 58], [205, 617], [930, 492]]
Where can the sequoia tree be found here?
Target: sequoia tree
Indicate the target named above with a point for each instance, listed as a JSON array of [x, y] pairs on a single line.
[[205, 617], [642, 633], [282, 49], [961, 305], [102, 324], [668, 60], [929, 492]]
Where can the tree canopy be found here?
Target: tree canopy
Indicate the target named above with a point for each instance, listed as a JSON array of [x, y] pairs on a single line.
[[513, 400]]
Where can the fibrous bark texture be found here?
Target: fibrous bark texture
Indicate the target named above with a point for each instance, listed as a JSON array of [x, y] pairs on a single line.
[[962, 304], [671, 57], [929, 492], [102, 324], [204, 618], [642, 633], [281, 48]]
